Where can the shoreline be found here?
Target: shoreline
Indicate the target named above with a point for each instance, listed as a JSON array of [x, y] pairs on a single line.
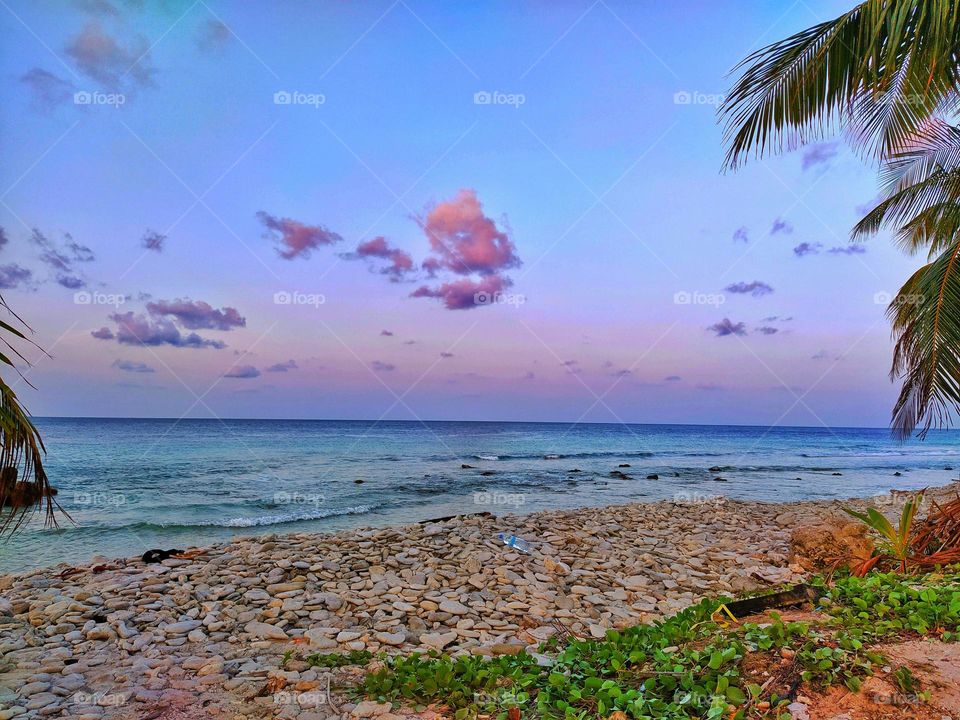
[[497, 501], [213, 628]]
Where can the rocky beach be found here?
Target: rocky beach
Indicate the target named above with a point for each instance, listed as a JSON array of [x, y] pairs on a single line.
[[223, 633]]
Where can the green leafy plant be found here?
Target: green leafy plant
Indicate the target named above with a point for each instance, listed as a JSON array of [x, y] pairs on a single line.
[[896, 540], [330, 660], [686, 666]]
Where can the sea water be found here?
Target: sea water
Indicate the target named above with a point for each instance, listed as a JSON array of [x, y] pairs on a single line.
[[133, 485]]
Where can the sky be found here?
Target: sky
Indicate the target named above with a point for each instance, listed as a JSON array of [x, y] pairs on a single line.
[[423, 211]]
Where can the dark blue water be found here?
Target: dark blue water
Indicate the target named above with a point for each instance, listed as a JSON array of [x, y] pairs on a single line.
[[131, 485]]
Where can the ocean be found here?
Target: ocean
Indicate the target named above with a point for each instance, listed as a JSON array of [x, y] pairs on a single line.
[[130, 485]]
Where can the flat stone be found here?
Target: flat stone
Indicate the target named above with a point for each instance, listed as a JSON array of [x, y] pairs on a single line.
[[438, 640], [265, 631], [181, 628], [369, 709], [453, 607], [391, 638]]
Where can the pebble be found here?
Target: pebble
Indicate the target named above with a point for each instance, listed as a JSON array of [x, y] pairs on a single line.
[[438, 640], [395, 639], [265, 631], [210, 631]]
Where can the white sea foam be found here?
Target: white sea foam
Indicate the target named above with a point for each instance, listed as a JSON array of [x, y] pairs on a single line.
[[293, 517]]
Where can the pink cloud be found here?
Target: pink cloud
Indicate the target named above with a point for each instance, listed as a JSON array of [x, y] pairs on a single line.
[[294, 237], [465, 294], [400, 261], [197, 315], [432, 266], [243, 372], [99, 56], [465, 240], [283, 366], [142, 330], [728, 327]]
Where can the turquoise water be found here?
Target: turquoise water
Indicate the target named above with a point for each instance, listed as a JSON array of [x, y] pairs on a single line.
[[132, 485]]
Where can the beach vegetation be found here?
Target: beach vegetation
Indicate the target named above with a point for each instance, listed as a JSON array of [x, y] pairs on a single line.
[[885, 75], [894, 540], [695, 664], [914, 545], [333, 660]]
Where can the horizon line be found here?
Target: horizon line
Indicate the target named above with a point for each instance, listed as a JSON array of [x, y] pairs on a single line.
[[500, 422]]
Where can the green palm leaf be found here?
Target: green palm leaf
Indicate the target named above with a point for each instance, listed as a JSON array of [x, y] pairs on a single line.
[[886, 73], [23, 482], [926, 325], [879, 72]]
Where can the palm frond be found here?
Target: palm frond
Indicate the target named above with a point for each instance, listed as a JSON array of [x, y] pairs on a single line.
[[935, 148], [923, 214], [879, 72], [23, 482], [24, 485], [926, 326]]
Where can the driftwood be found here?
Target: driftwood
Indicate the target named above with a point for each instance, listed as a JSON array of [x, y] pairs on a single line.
[[797, 595]]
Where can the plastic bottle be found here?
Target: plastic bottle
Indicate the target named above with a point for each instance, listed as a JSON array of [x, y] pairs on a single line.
[[517, 543]]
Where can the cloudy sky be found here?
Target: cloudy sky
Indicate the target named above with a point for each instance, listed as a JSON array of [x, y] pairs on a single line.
[[410, 209]]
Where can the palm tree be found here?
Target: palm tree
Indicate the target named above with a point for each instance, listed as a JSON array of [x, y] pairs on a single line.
[[887, 75], [23, 482]]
